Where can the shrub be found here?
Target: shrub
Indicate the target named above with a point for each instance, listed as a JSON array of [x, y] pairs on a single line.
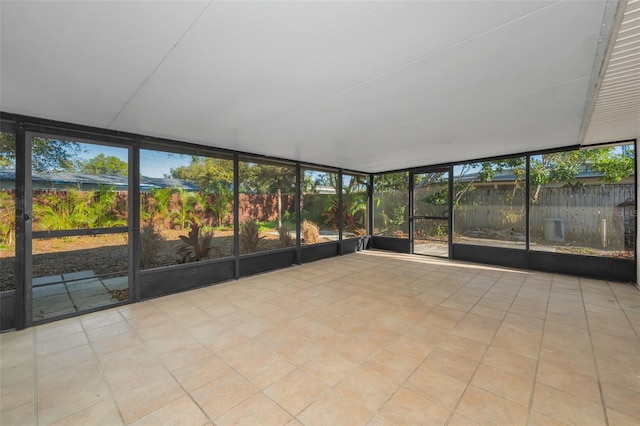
[[195, 247], [310, 232], [151, 242], [285, 235], [249, 236]]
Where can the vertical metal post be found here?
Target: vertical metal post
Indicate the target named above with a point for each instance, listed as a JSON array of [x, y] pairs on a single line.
[[340, 211], [527, 207], [371, 204], [24, 218], [450, 207], [21, 225], [134, 222], [236, 212], [410, 208], [298, 199]]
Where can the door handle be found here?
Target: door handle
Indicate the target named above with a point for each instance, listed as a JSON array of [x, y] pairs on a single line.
[[27, 217]]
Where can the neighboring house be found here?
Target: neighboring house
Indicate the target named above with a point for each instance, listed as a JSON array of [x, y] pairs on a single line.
[[88, 182]]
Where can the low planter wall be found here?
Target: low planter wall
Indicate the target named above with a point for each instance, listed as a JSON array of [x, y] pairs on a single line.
[[7, 310]]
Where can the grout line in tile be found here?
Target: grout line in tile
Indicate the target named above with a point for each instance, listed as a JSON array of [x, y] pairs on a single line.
[[593, 353], [535, 373]]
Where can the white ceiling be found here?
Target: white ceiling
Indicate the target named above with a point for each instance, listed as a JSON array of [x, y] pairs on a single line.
[[368, 86]]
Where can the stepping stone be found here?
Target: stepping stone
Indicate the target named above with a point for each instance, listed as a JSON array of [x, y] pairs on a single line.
[[51, 300], [52, 279], [49, 290], [116, 283], [78, 275], [93, 283]]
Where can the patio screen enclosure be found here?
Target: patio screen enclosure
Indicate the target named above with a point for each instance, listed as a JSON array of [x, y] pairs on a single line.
[[93, 218]]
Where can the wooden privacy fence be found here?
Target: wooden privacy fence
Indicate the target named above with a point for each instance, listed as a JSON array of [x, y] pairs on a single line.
[[590, 214]]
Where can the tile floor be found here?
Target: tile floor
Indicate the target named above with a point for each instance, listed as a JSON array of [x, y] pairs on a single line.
[[371, 338]]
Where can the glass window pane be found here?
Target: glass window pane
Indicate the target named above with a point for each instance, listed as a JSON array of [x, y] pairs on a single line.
[[355, 210], [391, 201], [319, 207], [78, 185], [186, 208], [583, 202], [267, 213], [489, 203]]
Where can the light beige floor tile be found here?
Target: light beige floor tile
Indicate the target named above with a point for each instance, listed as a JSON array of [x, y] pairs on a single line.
[[521, 340], [463, 346], [68, 378], [266, 369], [622, 399], [144, 398], [488, 408], [507, 385], [107, 331], [538, 419], [200, 372], [116, 343], [223, 393], [560, 377], [58, 329], [332, 409], [221, 341], [182, 411], [299, 351], [459, 420], [64, 359], [437, 386], [617, 418], [104, 413], [566, 407], [367, 388], [61, 343], [21, 415], [184, 355], [101, 319], [256, 410], [454, 365], [329, 367], [17, 393], [58, 405], [394, 366], [409, 408], [295, 391]]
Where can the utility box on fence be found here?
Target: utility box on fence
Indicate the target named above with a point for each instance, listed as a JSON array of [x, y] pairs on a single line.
[[553, 230]]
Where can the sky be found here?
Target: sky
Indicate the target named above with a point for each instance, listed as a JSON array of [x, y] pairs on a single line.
[[152, 163]]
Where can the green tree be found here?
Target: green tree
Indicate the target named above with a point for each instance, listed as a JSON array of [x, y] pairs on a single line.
[[103, 165], [48, 155], [611, 164]]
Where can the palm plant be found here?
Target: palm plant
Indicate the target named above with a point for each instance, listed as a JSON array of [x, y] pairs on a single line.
[[55, 212], [7, 218], [250, 236], [195, 247], [182, 215], [102, 210], [161, 203]]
